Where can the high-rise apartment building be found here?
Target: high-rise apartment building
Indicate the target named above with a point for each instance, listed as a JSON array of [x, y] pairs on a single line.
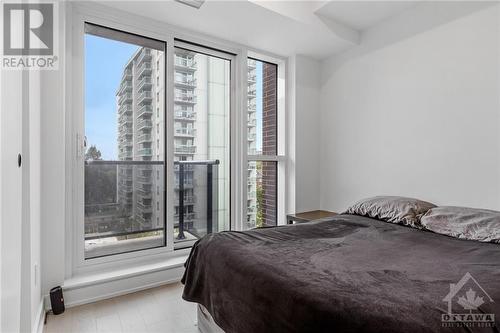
[[140, 138], [201, 132], [252, 144]]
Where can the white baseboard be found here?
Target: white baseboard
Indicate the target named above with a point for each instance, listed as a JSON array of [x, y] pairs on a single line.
[[93, 292], [40, 318]]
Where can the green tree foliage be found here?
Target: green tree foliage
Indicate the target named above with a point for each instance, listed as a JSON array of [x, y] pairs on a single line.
[[100, 181], [93, 154]]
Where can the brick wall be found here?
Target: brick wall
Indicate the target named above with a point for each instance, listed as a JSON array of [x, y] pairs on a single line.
[[269, 147]]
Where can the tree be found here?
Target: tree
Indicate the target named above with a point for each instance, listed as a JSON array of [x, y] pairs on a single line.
[[93, 154]]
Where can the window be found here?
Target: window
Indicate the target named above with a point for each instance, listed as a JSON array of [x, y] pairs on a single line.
[[201, 142], [121, 205], [119, 157], [262, 145]]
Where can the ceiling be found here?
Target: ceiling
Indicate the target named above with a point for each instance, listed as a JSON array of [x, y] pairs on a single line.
[[361, 15], [317, 29]]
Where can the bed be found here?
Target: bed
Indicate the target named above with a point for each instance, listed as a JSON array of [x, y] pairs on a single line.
[[348, 273]]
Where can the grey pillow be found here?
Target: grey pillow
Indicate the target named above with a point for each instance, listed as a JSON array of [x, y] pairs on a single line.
[[407, 211], [467, 223]]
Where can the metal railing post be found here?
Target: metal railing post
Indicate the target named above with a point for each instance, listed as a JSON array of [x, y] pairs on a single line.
[[181, 202], [209, 198]]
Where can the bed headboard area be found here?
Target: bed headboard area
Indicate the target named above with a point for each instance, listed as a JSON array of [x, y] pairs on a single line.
[[419, 117]]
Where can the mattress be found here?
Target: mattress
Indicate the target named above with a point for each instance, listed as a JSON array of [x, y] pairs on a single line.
[[345, 274]]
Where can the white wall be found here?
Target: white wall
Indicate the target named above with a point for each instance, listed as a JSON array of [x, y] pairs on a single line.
[[419, 117], [11, 135], [307, 136]]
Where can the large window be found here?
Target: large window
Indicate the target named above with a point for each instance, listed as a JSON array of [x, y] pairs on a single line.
[[156, 151], [124, 178], [262, 145]]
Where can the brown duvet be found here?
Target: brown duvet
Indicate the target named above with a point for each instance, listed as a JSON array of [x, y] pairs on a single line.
[[345, 274]]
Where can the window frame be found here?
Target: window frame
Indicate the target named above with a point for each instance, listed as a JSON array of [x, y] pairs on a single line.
[[80, 13], [280, 157]]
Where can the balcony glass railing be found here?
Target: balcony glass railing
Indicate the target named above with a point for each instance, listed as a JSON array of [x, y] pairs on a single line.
[[145, 110], [144, 138], [183, 131], [144, 68], [185, 115], [145, 152], [252, 63], [122, 216], [125, 87], [145, 55], [144, 97], [191, 82], [184, 149], [126, 108], [185, 62], [185, 97], [145, 123], [127, 74], [195, 217], [125, 98], [144, 83]]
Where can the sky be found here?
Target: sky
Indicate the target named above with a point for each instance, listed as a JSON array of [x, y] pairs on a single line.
[[103, 77]]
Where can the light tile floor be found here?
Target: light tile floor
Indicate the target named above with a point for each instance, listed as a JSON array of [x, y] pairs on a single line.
[[161, 309]]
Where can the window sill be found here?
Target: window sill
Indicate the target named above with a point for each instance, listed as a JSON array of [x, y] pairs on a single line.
[[86, 280]]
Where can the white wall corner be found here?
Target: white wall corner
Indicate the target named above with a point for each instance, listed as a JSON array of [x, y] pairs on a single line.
[[307, 81]]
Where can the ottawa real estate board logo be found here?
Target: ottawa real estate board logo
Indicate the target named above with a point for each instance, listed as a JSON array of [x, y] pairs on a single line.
[[28, 36], [468, 305]]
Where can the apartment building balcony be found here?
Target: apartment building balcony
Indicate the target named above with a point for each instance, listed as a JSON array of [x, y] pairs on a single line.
[[185, 83], [125, 98], [252, 122], [187, 217], [188, 184], [127, 75], [188, 200], [184, 132], [144, 208], [142, 193], [144, 138], [145, 83], [125, 109], [145, 110], [144, 124], [124, 129], [145, 55], [145, 152], [252, 63], [251, 136], [252, 106], [252, 92], [144, 69], [125, 86], [252, 76], [143, 179], [125, 119], [188, 98], [185, 149], [186, 64], [144, 97], [185, 115]]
